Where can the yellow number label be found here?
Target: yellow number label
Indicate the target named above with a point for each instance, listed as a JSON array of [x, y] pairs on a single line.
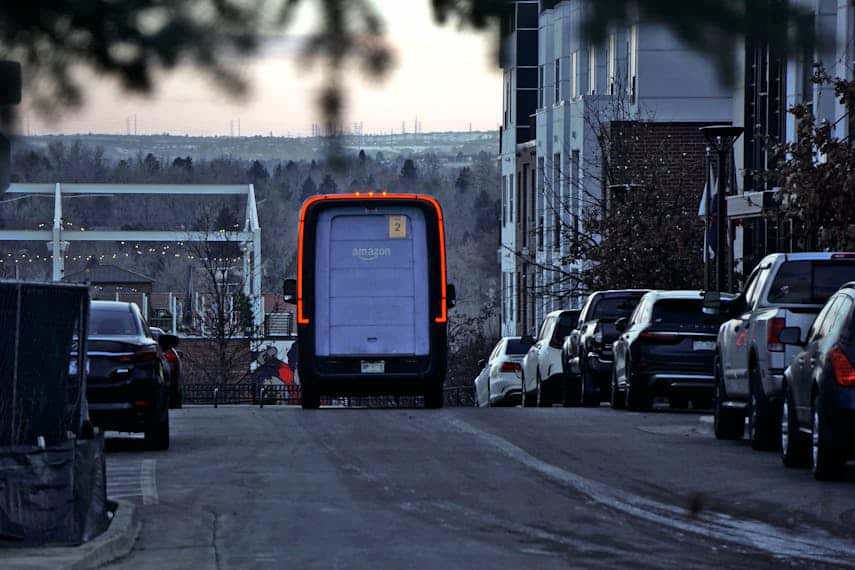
[[397, 227]]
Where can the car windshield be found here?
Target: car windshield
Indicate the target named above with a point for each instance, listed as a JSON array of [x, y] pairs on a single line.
[[112, 322], [517, 346], [614, 308], [810, 282], [683, 313]]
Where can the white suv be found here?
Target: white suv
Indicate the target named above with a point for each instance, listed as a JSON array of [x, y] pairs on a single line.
[[784, 290], [544, 381]]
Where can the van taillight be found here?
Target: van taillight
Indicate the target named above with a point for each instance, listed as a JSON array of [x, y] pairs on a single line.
[[844, 373], [773, 340], [510, 367]]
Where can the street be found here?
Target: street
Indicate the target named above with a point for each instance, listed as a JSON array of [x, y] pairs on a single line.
[[244, 487]]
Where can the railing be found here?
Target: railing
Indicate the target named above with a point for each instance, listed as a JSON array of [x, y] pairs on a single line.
[[289, 395]]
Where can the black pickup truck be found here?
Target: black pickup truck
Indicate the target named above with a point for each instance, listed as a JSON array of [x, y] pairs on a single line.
[[587, 352]]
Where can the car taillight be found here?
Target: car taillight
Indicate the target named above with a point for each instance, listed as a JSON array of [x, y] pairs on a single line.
[[844, 372], [773, 341], [653, 336], [140, 357], [171, 356], [510, 367]]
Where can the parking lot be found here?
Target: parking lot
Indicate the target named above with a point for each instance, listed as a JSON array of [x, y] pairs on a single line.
[[495, 488]]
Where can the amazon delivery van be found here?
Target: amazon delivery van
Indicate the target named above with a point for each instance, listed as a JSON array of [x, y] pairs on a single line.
[[372, 297]]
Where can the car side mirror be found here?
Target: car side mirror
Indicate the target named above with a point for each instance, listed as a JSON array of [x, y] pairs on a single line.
[[167, 341], [289, 290], [482, 363], [450, 295], [790, 335], [621, 324]]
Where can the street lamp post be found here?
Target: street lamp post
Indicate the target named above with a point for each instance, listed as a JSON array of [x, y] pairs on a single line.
[[721, 139]]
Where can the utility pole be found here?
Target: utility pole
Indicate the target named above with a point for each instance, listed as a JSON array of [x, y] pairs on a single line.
[[721, 139]]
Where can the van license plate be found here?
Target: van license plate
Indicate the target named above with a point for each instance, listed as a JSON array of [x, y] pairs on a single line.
[[704, 345], [373, 367]]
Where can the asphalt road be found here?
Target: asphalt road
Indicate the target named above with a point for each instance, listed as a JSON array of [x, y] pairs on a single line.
[[514, 488]]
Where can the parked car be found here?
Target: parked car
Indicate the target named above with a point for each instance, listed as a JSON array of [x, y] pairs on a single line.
[[819, 391], [587, 351], [173, 359], [127, 383], [666, 348], [784, 290], [500, 379], [543, 375]]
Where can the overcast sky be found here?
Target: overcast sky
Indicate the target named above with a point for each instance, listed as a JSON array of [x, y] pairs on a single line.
[[445, 76]]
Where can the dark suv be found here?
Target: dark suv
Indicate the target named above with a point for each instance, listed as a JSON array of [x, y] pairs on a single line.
[[587, 352], [818, 417], [127, 382]]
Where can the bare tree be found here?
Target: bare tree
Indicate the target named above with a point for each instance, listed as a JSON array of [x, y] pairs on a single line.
[[225, 313]]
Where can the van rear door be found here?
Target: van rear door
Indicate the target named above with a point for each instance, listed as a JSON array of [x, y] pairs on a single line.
[[372, 282]]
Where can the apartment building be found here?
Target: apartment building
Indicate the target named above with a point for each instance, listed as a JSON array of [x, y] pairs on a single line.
[[769, 83], [556, 106]]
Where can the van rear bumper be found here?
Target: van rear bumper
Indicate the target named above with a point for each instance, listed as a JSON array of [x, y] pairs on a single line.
[[343, 375]]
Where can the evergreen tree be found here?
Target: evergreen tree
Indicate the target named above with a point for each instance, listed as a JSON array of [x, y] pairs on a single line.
[[328, 186], [308, 189]]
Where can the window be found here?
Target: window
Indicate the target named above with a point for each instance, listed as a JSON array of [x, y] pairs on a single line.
[[540, 233], [612, 63], [557, 200], [752, 292], [592, 69], [809, 282], [512, 191], [632, 64], [574, 74], [557, 81], [842, 312], [614, 307], [540, 94], [111, 322], [504, 200], [575, 191]]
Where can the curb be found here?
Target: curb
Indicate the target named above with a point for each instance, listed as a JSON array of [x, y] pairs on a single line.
[[115, 543]]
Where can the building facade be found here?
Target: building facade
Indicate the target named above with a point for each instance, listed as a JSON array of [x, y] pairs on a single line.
[[770, 83], [553, 170]]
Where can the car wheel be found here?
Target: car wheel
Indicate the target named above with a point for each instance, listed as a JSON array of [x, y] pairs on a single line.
[[310, 397], [762, 423], [794, 448], [616, 397], [826, 462], [637, 398], [588, 399], [728, 423], [570, 397], [540, 400], [157, 435]]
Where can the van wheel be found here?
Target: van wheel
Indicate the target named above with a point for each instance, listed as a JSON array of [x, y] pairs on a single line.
[[827, 462], [570, 396], [762, 423], [588, 399], [794, 446], [310, 396], [157, 435], [727, 423], [433, 395], [637, 398]]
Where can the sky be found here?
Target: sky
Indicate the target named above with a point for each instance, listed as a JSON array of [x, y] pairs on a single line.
[[445, 76]]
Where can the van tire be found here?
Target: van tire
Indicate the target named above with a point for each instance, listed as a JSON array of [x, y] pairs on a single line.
[[795, 447], [433, 395], [310, 395]]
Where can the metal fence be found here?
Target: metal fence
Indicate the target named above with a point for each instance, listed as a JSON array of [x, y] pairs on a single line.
[[289, 395]]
